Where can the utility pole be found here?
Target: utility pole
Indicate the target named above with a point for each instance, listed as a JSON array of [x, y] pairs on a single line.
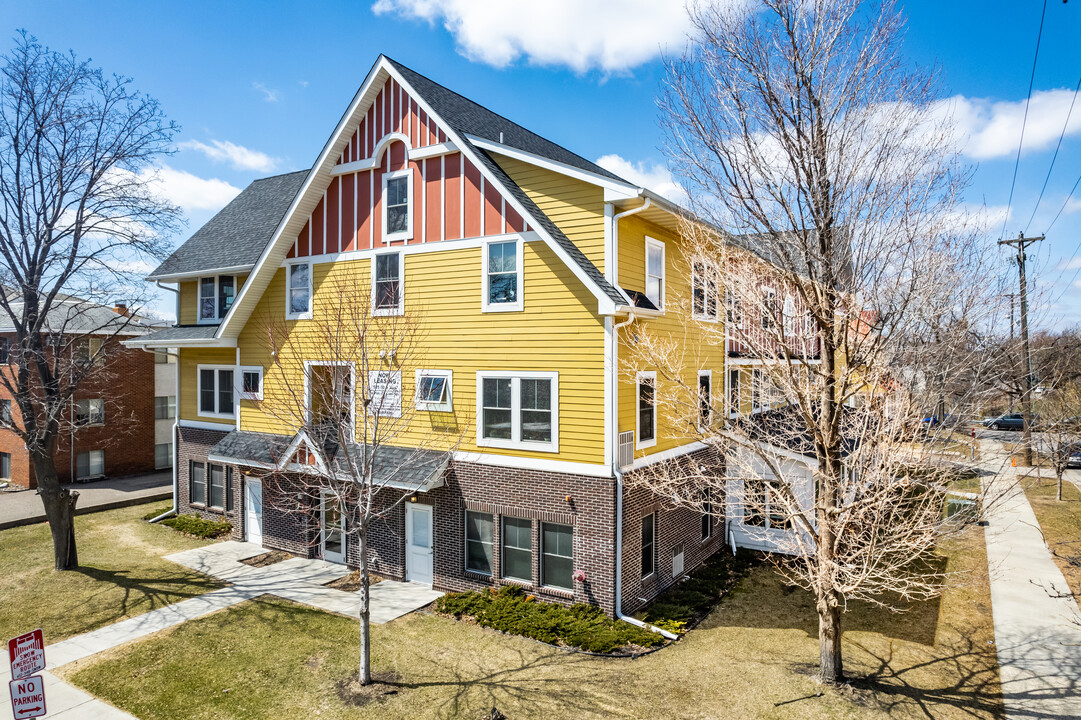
[[1011, 296], [1021, 242]]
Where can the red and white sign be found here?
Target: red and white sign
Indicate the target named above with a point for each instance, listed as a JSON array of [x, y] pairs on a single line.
[[28, 697], [27, 654]]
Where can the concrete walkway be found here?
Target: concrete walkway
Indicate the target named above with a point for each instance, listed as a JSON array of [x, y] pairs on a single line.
[[296, 579], [23, 507], [1037, 632]]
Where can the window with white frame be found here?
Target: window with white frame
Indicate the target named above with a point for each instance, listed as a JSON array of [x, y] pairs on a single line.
[[251, 383], [733, 310], [90, 464], [216, 295], [519, 410], [763, 504], [758, 390], [646, 416], [397, 218], [704, 290], [768, 309], [90, 411], [387, 284], [329, 394], [434, 390], [733, 392], [705, 399], [298, 278], [215, 391], [788, 315], [655, 272], [503, 275]]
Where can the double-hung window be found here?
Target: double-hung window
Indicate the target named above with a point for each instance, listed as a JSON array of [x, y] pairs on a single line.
[[758, 390], [165, 407], [517, 556], [197, 483], [646, 416], [5, 351], [478, 542], [768, 309], [5, 412], [655, 272], [298, 296], [503, 276], [707, 513], [733, 392], [90, 464], [387, 284], [649, 544], [519, 410], [705, 399], [434, 390], [704, 291], [397, 218], [557, 555], [216, 391], [90, 411], [216, 296], [788, 315], [5, 466], [762, 506], [163, 455]]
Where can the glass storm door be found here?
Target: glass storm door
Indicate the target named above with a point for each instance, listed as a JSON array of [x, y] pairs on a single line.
[[333, 530], [418, 543]]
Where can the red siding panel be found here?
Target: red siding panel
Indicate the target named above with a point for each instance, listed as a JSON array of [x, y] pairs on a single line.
[[349, 228], [472, 201], [514, 220], [303, 242], [453, 203], [364, 210], [316, 246], [434, 188], [331, 245], [493, 210]]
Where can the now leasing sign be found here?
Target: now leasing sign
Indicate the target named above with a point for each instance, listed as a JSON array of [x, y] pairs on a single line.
[[28, 697], [27, 654]]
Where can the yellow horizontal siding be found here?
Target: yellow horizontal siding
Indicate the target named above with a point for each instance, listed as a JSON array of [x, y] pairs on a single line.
[[576, 207], [187, 368], [557, 331], [700, 353]]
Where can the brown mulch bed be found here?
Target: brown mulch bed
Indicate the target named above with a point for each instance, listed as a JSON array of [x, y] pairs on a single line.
[[383, 684], [267, 558], [351, 582]]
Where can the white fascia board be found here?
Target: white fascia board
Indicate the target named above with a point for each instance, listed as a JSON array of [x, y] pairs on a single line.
[[192, 342], [742, 444], [371, 163], [196, 274], [625, 190]]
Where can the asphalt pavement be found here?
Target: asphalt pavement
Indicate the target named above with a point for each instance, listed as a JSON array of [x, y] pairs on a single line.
[[23, 507]]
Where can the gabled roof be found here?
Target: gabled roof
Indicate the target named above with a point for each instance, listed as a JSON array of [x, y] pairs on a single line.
[[234, 238], [75, 316]]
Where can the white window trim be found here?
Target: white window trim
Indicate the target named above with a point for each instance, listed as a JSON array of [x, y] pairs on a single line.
[[788, 317], [308, 365], [288, 291], [733, 411], [644, 375], [758, 391], [515, 442], [519, 247], [448, 404], [767, 301], [199, 391], [408, 232], [400, 310], [239, 378], [654, 242], [704, 276], [216, 320], [709, 420]]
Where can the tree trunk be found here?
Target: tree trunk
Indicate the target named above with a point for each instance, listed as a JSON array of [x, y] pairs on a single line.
[[830, 668], [59, 504], [365, 677], [1058, 492]]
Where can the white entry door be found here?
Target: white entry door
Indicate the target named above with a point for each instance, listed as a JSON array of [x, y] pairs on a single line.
[[253, 511], [333, 530], [418, 543]]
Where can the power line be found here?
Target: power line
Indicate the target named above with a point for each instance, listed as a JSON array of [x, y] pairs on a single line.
[[1024, 120], [1055, 156], [1064, 204]]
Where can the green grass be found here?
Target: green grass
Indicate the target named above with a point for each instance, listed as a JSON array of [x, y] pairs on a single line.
[[511, 610], [1060, 521], [753, 657], [121, 574]]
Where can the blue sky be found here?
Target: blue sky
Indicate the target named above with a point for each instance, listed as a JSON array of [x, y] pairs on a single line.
[[258, 86]]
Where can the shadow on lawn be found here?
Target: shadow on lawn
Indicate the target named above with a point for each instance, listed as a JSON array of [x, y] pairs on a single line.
[[150, 592]]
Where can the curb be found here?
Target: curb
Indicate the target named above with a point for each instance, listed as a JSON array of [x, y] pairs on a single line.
[[127, 502]]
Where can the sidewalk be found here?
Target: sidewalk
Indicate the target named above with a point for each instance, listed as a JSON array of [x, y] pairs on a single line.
[[296, 579], [24, 507], [1037, 635]]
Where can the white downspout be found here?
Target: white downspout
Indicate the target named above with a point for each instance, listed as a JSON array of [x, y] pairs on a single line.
[[612, 275]]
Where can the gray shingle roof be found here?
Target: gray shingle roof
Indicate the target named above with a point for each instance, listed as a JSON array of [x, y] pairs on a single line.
[[785, 427], [75, 316], [236, 236], [180, 332], [399, 466]]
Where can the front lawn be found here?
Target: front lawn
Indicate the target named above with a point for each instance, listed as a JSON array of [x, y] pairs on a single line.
[[752, 657], [1060, 521], [122, 574]]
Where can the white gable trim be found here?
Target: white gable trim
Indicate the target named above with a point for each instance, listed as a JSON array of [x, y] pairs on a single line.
[[420, 153]]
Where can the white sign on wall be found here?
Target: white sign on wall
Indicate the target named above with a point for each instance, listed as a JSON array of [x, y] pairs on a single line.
[[385, 388]]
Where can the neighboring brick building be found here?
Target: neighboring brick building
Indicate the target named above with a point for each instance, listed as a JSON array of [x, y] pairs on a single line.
[[109, 428]]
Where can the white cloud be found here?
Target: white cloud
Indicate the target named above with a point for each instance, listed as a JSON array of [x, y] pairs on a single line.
[[609, 35], [269, 94], [990, 129], [653, 176], [189, 191], [1073, 263], [238, 156]]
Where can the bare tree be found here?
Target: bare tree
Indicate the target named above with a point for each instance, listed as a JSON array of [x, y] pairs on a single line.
[[361, 449], [798, 127], [1059, 410], [77, 215]]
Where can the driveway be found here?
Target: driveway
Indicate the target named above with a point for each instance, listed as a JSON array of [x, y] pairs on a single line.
[[23, 507]]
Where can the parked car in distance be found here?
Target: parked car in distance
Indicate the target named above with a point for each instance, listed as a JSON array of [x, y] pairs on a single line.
[[1073, 455], [1011, 421]]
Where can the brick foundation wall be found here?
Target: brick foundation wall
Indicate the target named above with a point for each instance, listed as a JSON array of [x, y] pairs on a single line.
[[673, 526], [194, 444]]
